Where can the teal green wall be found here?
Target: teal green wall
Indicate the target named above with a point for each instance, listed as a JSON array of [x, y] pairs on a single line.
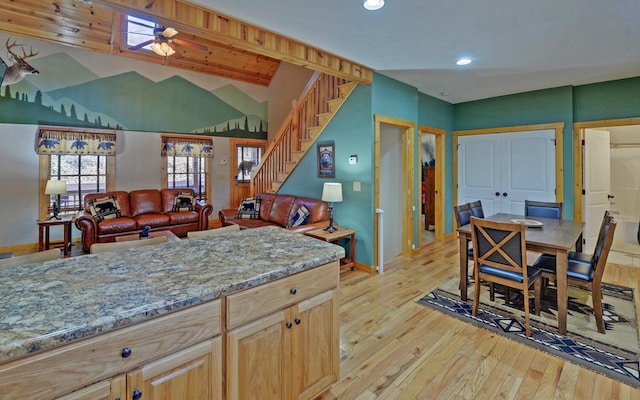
[[352, 129], [607, 100]]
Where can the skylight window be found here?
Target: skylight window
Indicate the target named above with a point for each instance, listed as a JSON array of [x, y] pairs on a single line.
[[139, 30]]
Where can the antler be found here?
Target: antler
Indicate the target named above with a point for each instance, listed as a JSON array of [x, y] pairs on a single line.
[[9, 46]]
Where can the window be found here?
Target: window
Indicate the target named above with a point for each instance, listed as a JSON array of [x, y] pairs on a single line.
[[83, 158], [187, 165], [248, 158], [139, 31]]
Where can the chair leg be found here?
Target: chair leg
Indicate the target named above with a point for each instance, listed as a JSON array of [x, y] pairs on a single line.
[[596, 296], [476, 297], [537, 288], [492, 293], [526, 311]]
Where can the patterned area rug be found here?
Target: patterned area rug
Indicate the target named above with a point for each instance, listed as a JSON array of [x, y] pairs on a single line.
[[615, 354]]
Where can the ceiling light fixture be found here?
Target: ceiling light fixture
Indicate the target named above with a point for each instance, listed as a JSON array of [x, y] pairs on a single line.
[[463, 61], [373, 5], [162, 49]]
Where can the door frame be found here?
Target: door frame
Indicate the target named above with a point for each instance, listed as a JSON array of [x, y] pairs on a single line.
[[440, 135], [408, 187], [578, 161], [558, 127]]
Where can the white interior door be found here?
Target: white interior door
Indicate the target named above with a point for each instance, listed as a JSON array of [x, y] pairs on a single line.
[[391, 190], [504, 169], [597, 181]]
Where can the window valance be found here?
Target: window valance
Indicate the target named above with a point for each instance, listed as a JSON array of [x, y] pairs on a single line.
[[64, 141], [187, 147]]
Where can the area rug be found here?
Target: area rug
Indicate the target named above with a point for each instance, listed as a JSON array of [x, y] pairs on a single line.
[[615, 354]]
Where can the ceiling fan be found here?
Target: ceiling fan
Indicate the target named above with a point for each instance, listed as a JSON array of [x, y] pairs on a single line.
[[164, 41]]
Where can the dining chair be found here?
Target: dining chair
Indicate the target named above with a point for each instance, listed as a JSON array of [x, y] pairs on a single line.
[[41, 256], [111, 246], [543, 209], [500, 256], [211, 233], [586, 275], [476, 209]]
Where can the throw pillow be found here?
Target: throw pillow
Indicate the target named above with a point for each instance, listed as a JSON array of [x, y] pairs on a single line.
[[105, 208], [300, 217], [184, 201], [249, 208]]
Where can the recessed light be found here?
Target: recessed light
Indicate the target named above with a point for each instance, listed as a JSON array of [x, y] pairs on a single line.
[[463, 61], [373, 5]]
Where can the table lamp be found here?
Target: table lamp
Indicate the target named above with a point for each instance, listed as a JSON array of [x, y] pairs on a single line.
[[56, 187], [331, 192]]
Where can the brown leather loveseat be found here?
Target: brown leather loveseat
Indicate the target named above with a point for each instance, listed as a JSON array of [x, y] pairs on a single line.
[[111, 214], [280, 210]]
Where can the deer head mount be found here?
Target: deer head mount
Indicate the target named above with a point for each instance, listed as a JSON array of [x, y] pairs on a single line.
[[20, 68]]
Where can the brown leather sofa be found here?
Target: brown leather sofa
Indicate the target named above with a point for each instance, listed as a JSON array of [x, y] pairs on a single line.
[[138, 209], [278, 209]]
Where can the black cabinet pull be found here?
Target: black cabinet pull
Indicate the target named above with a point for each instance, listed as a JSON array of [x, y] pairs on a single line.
[[137, 395], [293, 291], [297, 321], [126, 352], [289, 325]]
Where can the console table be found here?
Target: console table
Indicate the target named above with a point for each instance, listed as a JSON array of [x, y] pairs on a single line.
[[43, 233]]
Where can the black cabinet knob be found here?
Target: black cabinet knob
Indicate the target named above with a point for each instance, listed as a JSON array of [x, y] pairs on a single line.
[[289, 325], [505, 194], [297, 321], [137, 395], [293, 291], [497, 193], [126, 352]]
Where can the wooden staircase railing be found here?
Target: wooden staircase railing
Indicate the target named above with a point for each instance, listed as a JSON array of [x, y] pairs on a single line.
[[310, 113]]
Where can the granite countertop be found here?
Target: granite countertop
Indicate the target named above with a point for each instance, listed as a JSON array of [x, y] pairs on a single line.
[[50, 304]]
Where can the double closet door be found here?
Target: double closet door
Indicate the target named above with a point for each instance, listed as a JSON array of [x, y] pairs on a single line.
[[504, 169]]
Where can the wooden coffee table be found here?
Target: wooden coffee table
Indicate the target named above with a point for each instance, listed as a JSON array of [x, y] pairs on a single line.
[[171, 237]]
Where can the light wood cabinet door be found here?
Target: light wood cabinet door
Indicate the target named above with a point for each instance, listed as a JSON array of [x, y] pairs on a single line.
[[111, 389], [256, 359], [191, 374], [314, 363]]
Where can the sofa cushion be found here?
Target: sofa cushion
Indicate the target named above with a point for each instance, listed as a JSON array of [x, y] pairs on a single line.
[[280, 208], [146, 201], [318, 209], [299, 217], [102, 208], [184, 201], [249, 208], [152, 220], [182, 217], [117, 225]]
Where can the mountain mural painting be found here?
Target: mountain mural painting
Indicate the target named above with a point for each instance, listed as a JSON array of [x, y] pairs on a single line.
[[129, 101]]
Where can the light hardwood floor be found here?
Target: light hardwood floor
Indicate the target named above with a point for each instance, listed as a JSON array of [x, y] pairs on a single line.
[[393, 348]]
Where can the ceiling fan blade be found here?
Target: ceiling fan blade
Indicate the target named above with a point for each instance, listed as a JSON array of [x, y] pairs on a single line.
[[140, 45], [191, 44]]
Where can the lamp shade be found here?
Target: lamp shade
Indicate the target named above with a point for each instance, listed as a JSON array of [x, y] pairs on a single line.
[[332, 192], [55, 186], [162, 49]]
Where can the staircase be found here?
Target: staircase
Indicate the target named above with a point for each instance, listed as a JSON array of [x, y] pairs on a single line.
[[310, 113]]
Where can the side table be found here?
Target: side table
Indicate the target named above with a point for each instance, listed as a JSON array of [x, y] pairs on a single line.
[[334, 237], [43, 233]]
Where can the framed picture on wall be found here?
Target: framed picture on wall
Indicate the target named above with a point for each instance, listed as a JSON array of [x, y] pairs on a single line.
[[326, 164]]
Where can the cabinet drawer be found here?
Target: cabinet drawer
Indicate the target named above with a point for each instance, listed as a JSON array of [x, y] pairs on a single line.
[[258, 301], [67, 368]]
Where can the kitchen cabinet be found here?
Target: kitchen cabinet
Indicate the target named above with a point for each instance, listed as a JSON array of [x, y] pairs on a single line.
[[111, 389], [288, 347]]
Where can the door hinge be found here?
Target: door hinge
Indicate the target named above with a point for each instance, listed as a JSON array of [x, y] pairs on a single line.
[[583, 192]]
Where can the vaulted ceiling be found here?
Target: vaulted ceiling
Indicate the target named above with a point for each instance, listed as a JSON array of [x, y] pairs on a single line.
[[233, 49]]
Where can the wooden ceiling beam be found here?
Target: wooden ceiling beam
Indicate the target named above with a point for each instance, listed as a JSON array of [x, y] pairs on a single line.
[[236, 34]]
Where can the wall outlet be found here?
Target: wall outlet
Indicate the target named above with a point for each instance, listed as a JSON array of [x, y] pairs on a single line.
[[356, 186], [223, 162]]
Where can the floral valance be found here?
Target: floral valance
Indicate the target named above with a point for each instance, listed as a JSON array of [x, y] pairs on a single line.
[[60, 141], [187, 147]]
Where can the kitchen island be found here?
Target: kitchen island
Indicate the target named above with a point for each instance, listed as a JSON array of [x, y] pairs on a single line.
[[122, 323]]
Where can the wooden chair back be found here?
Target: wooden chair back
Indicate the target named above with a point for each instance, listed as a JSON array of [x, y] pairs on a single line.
[[499, 245], [462, 214], [476, 209]]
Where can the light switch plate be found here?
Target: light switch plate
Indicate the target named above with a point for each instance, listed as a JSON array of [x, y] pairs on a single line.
[[353, 159], [356, 186]]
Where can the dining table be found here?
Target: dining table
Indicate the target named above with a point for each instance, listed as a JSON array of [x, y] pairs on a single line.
[[543, 235]]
